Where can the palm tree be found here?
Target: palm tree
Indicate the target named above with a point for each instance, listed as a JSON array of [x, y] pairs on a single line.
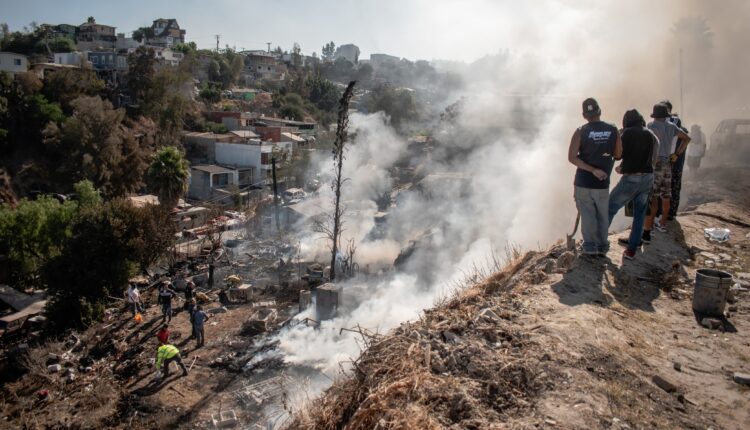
[[167, 176], [694, 34]]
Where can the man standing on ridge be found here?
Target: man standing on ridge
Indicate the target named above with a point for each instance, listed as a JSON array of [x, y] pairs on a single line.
[[697, 148], [665, 131], [678, 165], [593, 149], [639, 149]]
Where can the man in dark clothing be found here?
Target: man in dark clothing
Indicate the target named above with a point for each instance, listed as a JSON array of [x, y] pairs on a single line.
[[199, 320], [665, 131], [593, 149], [189, 289], [166, 293], [639, 149]]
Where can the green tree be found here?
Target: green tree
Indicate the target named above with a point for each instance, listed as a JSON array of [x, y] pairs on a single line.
[[107, 244], [95, 144], [143, 33], [87, 194], [66, 85], [364, 72], [141, 72], [188, 48], [328, 50], [322, 92], [211, 92], [398, 104], [296, 55], [167, 176], [32, 233], [293, 112]]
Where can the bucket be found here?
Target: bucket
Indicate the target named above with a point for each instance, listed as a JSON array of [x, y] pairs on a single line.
[[711, 289]]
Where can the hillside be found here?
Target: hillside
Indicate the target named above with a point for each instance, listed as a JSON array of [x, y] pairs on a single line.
[[558, 342]]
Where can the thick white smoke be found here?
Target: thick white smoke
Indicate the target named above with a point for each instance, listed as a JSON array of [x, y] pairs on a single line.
[[499, 171]]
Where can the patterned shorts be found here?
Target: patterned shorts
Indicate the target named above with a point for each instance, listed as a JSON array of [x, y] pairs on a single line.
[[663, 179]]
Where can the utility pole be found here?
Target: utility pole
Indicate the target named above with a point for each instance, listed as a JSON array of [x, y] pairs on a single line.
[[275, 194], [269, 46], [217, 36]]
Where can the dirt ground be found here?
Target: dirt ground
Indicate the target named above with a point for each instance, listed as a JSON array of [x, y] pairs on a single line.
[[558, 341], [119, 390]]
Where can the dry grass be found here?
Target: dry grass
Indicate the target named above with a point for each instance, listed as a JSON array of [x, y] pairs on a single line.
[[417, 377]]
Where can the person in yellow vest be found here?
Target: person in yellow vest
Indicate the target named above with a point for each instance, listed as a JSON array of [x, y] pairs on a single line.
[[165, 355]]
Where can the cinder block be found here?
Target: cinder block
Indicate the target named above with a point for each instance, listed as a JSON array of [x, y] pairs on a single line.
[[326, 301]]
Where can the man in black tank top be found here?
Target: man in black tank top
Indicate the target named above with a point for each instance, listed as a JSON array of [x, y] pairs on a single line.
[[593, 149], [639, 151]]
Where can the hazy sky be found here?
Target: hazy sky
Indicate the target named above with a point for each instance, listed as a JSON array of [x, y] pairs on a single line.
[[415, 29]]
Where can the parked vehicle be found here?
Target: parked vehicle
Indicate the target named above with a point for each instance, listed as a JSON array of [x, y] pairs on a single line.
[[731, 140], [293, 195]]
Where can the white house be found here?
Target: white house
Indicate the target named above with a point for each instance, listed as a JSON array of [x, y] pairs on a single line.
[[350, 52], [71, 58], [255, 155], [205, 179], [168, 57], [13, 63]]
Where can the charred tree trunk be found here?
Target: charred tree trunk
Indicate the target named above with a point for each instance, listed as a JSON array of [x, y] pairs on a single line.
[[338, 160]]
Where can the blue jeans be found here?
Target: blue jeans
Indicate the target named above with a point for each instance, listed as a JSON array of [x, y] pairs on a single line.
[[593, 204], [637, 189]]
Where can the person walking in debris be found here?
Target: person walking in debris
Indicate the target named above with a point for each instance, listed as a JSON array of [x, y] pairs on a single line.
[[134, 298], [166, 293], [165, 355], [189, 289], [211, 270], [665, 131], [593, 149], [163, 334], [697, 148], [639, 149], [191, 307], [199, 320], [678, 164]]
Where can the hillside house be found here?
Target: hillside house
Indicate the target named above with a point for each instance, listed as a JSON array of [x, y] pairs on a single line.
[[92, 36], [77, 58], [349, 52], [103, 60], [126, 44], [206, 179], [63, 30], [264, 65], [13, 63], [379, 60], [167, 33], [168, 57]]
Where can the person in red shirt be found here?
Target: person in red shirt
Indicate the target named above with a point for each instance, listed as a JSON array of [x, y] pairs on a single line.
[[163, 334]]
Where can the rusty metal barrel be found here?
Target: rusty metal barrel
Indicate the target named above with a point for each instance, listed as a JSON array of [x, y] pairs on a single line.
[[711, 290]]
